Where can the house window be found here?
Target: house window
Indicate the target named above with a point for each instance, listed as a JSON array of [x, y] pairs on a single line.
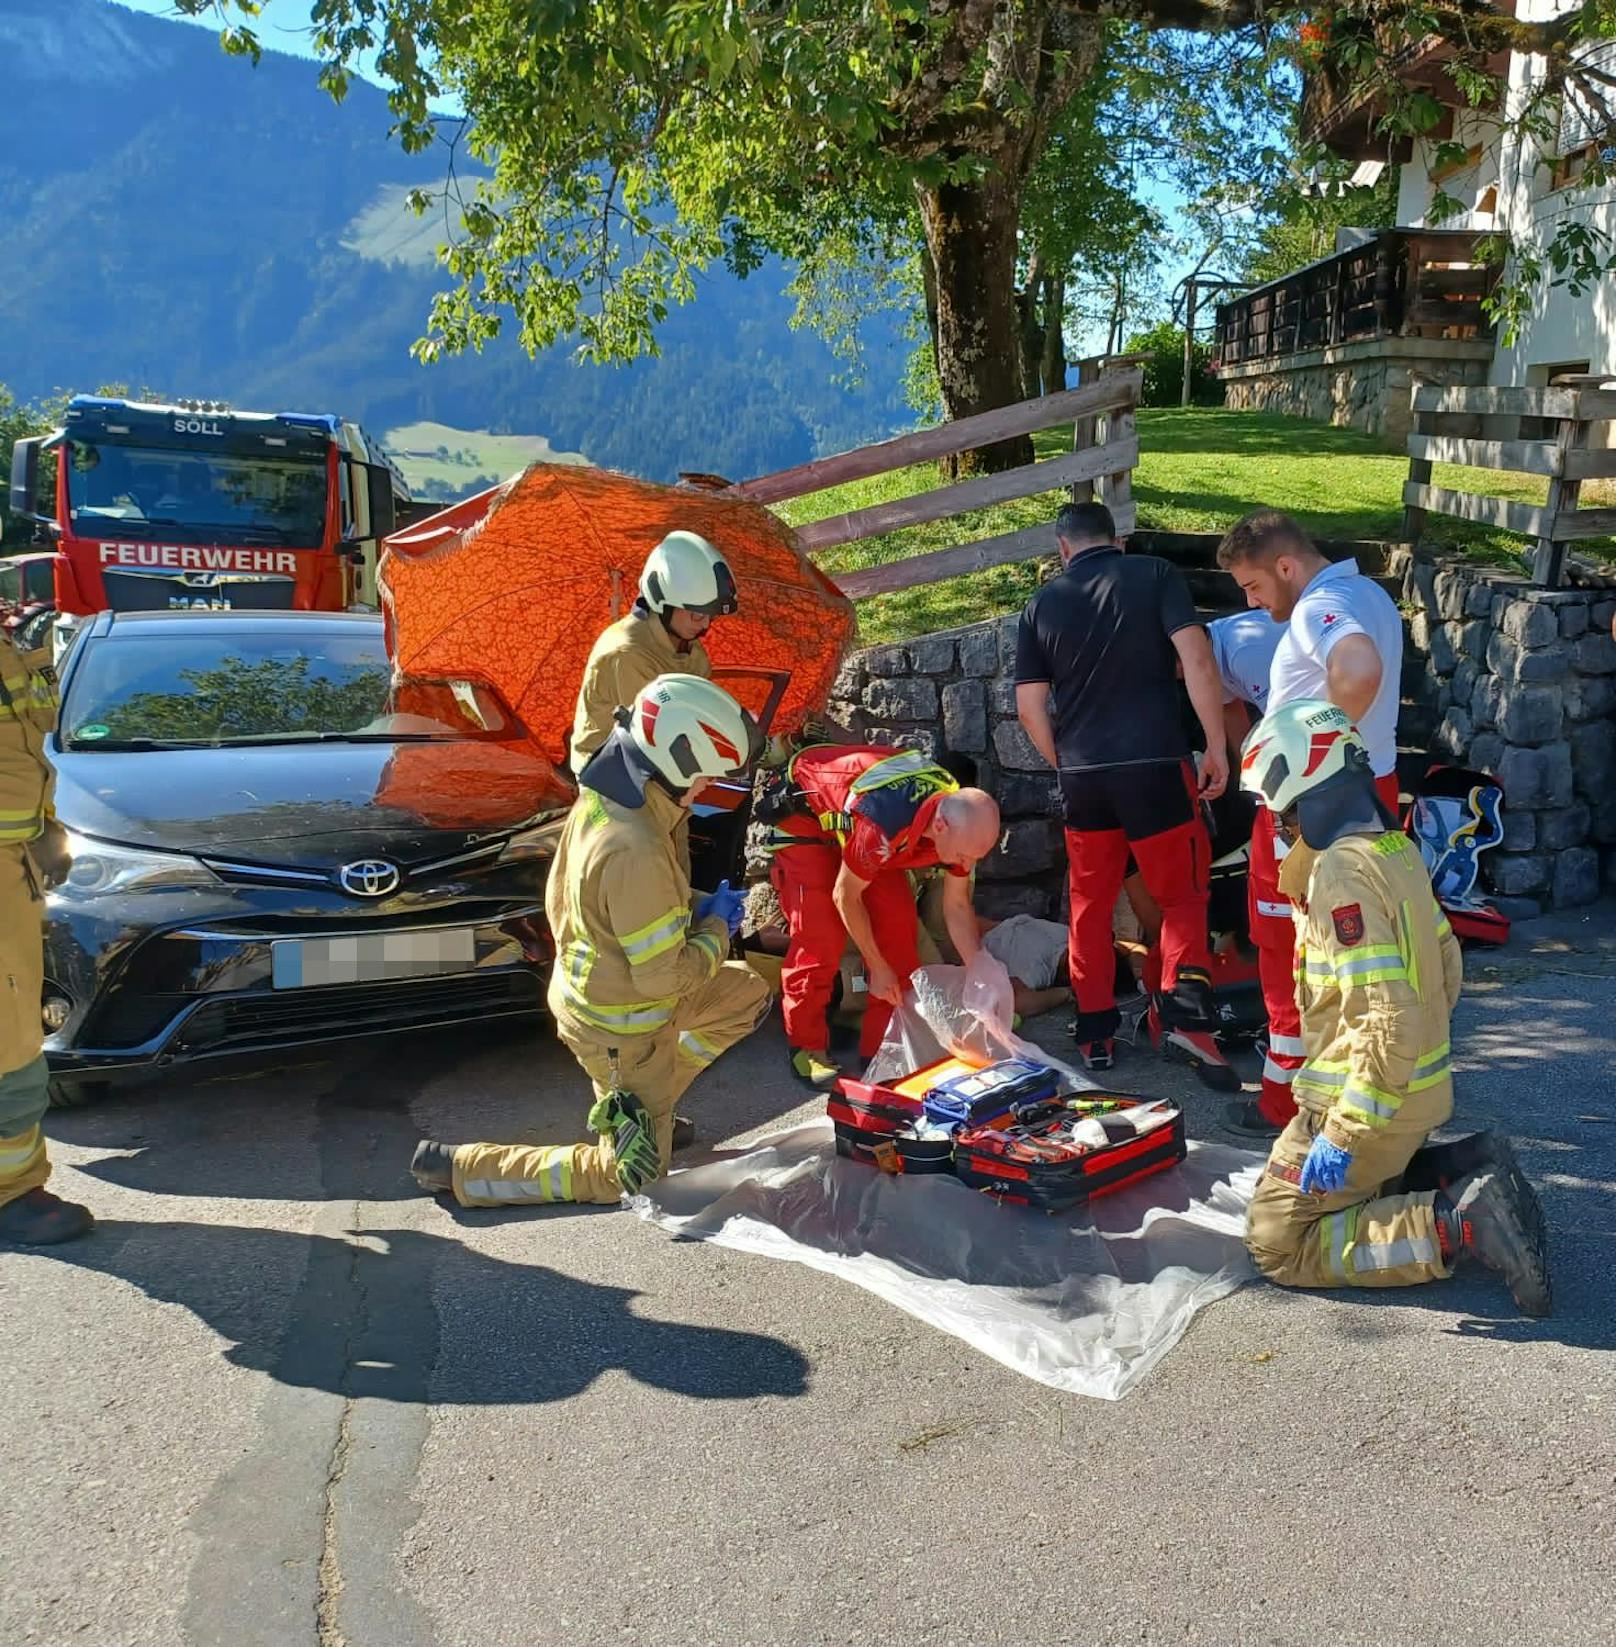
[[1587, 136], [1571, 167]]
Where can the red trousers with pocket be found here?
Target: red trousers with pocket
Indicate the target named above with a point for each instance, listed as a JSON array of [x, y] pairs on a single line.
[[803, 878], [1273, 931], [1174, 863]]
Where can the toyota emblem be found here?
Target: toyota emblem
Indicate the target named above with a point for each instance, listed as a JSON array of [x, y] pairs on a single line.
[[369, 878]]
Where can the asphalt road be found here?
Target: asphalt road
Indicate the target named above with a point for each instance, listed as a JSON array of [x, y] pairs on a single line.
[[280, 1398]]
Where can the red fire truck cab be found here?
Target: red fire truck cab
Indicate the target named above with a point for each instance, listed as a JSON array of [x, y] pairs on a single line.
[[194, 505]]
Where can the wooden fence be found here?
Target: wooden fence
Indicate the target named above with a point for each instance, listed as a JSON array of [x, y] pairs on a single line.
[[1105, 450], [1559, 424]]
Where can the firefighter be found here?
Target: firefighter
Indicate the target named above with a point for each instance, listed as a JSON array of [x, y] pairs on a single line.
[[1342, 639], [32, 856], [640, 991], [684, 585], [849, 822], [1352, 1196]]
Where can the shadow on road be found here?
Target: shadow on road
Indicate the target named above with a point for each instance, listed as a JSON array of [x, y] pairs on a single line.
[[364, 1323]]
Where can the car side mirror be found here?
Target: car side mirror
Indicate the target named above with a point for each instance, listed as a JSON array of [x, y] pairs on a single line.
[[383, 504]]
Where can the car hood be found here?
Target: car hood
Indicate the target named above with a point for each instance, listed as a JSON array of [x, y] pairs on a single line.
[[308, 805]]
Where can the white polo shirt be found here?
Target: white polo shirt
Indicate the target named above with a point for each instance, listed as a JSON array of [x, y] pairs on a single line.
[[1243, 645], [1339, 601]]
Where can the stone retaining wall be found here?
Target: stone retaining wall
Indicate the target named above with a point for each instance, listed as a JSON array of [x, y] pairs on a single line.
[[955, 690], [1521, 683], [1368, 385], [1516, 681]]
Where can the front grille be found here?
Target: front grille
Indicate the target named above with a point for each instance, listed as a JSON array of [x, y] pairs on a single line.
[[311, 1014], [246, 874]]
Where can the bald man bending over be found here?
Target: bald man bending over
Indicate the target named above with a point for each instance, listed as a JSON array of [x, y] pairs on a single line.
[[849, 822]]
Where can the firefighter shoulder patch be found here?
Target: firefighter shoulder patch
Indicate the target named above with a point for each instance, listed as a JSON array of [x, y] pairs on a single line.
[[1349, 923]]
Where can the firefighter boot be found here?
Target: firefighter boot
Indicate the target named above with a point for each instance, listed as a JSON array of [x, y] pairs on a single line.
[[1183, 1027], [1493, 1216], [40, 1219], [432, 1166], [1436, 1166]]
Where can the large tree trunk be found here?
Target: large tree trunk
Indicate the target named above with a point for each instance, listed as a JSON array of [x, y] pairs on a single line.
[[1053, 365], [1030, 328], [971, 234]]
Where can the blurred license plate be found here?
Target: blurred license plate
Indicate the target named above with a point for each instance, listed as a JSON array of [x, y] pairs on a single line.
[[306, 963]]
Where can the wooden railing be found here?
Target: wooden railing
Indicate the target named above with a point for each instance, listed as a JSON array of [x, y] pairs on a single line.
[[1105, 450], [1561, 420], [1401, 283]]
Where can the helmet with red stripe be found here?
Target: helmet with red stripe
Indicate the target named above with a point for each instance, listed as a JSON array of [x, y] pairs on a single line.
[[1297, 749], [686, 728]]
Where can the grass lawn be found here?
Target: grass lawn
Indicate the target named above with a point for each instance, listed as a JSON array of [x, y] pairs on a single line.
[[441, 462], [1199, 470]]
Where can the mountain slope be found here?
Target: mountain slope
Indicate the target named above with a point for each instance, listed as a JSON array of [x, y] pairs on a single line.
[[180, 221]]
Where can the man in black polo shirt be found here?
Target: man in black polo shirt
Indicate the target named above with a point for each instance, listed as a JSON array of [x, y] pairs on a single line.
[[1107, 638]]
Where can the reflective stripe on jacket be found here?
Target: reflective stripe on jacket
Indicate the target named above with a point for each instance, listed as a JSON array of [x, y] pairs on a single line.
[[618, 904], [837, 781], [27, 714], [629, 655], [1378, 973]]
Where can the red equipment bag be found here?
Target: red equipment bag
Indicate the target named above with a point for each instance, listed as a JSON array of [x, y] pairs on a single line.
[[1037, 1161], [875, 1122]]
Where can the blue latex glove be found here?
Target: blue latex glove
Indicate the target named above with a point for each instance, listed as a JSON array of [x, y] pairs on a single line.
[[1325, 1169], [726, 904]]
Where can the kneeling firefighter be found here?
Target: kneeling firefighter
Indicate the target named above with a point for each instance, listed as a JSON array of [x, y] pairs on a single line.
[[640, 990], [1352, 1194]]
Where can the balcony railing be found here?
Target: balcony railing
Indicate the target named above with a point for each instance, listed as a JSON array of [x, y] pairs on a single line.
[[1400, 283]]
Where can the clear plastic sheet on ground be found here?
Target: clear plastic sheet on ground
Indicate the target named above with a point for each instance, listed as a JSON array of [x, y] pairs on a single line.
[[960, 1012], [1087, 1303]]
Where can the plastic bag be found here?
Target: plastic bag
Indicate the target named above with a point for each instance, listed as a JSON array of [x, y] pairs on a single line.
[[960, 1012]]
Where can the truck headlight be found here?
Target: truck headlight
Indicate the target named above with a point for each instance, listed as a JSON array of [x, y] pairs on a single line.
[[103, 867]]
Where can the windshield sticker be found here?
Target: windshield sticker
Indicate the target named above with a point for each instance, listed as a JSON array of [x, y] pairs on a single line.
[[94, 730]]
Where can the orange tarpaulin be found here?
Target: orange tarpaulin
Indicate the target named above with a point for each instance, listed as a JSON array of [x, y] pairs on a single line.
[[512, 588]]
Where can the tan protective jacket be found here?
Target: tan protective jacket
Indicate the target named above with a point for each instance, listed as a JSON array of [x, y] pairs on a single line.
[[629, 655], [1378, 973], [27, 714], [618, 904]]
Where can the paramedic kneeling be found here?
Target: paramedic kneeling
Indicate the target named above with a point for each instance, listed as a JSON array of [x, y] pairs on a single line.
[[1352, 1195], [640, 990]]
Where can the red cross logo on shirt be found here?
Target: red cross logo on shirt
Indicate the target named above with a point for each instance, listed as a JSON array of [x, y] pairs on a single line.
[[1329, 618]]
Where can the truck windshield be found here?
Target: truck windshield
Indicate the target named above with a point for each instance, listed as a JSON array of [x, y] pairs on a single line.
[[153, 493]]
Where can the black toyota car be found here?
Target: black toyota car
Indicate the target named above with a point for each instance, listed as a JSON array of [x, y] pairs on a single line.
[[276, 843]]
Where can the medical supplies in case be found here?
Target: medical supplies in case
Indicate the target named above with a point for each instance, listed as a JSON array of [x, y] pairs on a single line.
[[1059, 1154], [977, 1096], [909, 1124]]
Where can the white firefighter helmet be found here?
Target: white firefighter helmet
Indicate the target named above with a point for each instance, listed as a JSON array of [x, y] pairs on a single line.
[[684, 570], [687, 728], [1297, 749]]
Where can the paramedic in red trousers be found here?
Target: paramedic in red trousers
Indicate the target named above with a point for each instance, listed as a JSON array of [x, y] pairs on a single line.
[[1343, 642], [1106, 638], [849, 823]]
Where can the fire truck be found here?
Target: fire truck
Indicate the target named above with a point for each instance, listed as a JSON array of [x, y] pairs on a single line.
[[152, 507]]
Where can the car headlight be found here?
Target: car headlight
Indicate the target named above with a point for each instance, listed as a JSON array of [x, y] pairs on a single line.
[[535, 842], [102, 867]]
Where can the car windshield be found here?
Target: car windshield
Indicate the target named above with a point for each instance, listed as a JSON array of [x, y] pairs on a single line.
[[164, 689], [156, 494]]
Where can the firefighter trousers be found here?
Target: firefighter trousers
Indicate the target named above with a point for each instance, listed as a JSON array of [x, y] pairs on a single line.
[[1273, 931], [1368, 1234], [656, 1068], [24, 1081], [804, 878]]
